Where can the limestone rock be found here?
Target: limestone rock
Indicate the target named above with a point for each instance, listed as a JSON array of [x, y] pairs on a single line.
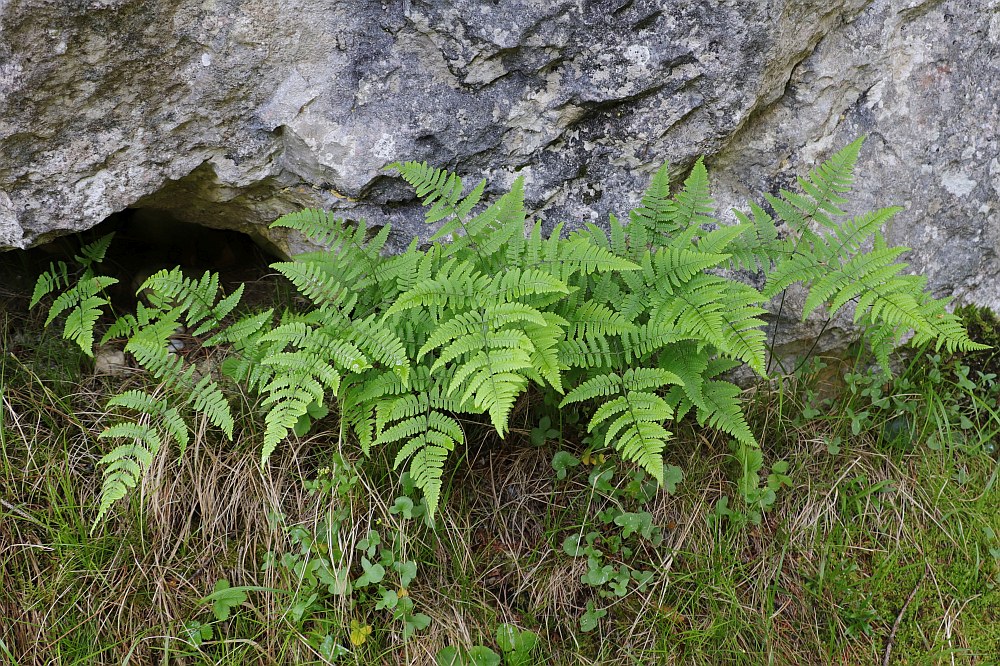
[[229, 113], [109, 361]]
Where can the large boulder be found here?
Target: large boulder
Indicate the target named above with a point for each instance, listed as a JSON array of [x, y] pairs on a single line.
[[229, 113]]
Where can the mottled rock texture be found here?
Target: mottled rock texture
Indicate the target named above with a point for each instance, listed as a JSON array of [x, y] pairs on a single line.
[[231, 112]]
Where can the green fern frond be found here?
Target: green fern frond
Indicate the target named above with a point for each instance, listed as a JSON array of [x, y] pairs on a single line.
[[316, 345], [457, 285], [426, 470], [594, 318], [674, 267], [499, 225], [198, 299], [693, 204], [56, 277], [689, 363], [323, 228], [658, 211], [443, 192], [207, 398], [517, 283], [146, 404], [843, 283], [83, 301], [493, 380], [635, 431], [280, 420], [125, 464], [579, 254], [314, 281], [248, 327], [93, 252], [546, 365], [823, 189], [721, 312], [723, 411], [380, 343], [635, 379], [759, 246]]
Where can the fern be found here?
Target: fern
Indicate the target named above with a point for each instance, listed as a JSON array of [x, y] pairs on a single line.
[[177, 303], [831, 259], [636, 430], [82, 298], [638, 322]]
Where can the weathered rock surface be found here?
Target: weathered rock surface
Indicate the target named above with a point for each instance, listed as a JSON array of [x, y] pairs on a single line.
[[231, 112]]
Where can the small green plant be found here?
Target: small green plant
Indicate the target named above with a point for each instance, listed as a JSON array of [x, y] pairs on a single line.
[[613, 542], [756, 498], [478, 655], [328, 568], [225, 598], [516, 645], [837, 583]]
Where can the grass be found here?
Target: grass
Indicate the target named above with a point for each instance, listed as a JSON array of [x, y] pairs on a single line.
[[884, 547]]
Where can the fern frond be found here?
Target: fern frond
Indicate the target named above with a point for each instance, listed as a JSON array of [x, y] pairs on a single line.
[[316, 346], [634, 379], [248, 327], [56, 277], [594, 318], [280, 420], [83, 303], [319, 226], [674, 266], [492, 380], [426, 470], [93, 252], [694, 205], [759, 246], [579, 254], [823, 189], [208, 399], [721, 312], [636, 430], [380, 343], [315, 282], [149, 405], [517, 283], [442, 191], [723, 411], [499, 225], [546, 365], [126, 463], [148, 347], [689, 363], [862, 273], [196, 298], [457, 285], [80, 322], [657, 214]]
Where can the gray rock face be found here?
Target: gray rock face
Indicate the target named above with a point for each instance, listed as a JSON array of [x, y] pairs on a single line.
[[229, 113]]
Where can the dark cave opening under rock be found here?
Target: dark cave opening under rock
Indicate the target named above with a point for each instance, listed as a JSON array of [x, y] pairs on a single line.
[[148, 240], [145, 241]]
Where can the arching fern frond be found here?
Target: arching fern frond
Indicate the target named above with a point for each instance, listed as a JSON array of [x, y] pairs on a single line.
[[636, 414], [197, 299], [125, 464]]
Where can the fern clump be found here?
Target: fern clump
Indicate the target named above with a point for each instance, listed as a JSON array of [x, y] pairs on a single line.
[[640, 320]]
